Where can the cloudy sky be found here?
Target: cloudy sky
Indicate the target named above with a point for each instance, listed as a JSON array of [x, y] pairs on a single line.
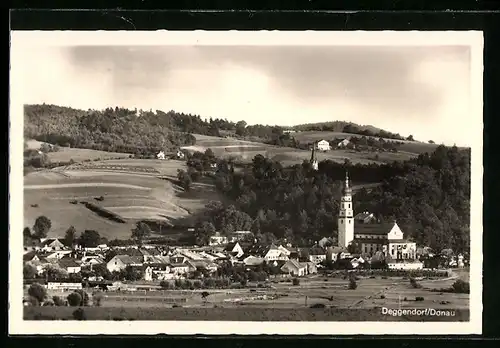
[[409, 90]]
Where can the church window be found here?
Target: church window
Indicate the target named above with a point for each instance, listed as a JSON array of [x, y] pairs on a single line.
[[349, 221], [341, 221]]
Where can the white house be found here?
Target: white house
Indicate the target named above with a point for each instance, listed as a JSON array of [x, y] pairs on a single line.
[[120, 262], [405, 265], [70, 265], [218, 239], [180, 154], [295, 268], [275, 253], [323, 145], [161, 155], [51, 244], [158, 272]]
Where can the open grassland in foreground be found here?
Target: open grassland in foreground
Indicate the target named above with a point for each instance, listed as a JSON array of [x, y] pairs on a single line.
[[232, 314], [283, 301], [246, 151], [134, 189]]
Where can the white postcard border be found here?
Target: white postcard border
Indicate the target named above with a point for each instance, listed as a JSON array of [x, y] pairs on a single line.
[[17, 325]]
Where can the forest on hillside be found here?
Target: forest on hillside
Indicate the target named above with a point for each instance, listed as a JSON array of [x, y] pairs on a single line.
[[429, 196], [144, 132]]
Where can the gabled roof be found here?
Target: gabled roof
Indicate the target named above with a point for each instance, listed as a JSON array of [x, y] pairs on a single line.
[[130, 260], [68, 262], [29, 256], [375, 228]]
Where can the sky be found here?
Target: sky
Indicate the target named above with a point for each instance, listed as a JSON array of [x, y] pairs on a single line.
[[408, 90]]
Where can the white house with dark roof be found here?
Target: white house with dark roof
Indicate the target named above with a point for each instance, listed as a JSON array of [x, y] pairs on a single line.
[[120, 262], [323, 145]]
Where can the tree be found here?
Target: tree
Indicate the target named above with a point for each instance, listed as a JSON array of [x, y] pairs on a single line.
[[70, 236], [58, 301], [54, 272], [97, 298], [29, 271], [27, 237], [74, 299], [203, 232], [38, 292], [89, 239], [204, 296], [240, 128], [410, 138], [42, 226], [140, 232]]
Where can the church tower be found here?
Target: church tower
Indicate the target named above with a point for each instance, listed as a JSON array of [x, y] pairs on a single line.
[[314, 160], [346, 216]]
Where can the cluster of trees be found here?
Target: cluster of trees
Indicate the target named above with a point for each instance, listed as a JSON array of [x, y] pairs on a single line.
[[379, 133], [78, 298], [117, 130], [87, 239], [429, 196]]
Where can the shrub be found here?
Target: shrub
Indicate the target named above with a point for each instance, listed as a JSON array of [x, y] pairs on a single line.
[[461, 287], [296, 281], [58, 301], [97, 298], [165, 284], [84, 296], [48, 303], [74, 299], [79, 314], [419, 298], [405, 299], [414, 283], [352, 282], [382, 296], [38, 292], [317, 305]]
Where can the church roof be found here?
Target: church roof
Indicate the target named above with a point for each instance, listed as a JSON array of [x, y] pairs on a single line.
[[374, 229]]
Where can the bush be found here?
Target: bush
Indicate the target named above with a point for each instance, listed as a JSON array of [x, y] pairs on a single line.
[[48, 303], [79, 314], [165, 284], [296, 281], [84, 296], [414, 283], [38, 292], [58, 301], [461, 287], [419, 298], [382, 296], [352, 282], [74, 299], [97, 298], [317, 305]]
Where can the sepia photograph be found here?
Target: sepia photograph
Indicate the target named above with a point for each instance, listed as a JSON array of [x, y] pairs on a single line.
[[230, 182]]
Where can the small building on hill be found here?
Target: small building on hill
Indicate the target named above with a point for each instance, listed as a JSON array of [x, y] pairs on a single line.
[[160, 155], [323, 145]]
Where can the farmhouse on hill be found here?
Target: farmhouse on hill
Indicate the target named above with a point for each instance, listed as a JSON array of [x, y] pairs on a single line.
[[161, 155], [323, 145]]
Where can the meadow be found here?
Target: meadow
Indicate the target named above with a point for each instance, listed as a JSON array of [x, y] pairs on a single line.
[[134, 189], [66, 154], [246, 150], [414, 147]]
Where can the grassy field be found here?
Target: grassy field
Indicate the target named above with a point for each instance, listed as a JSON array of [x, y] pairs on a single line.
[[407, 146], [246, 150], [135, 189], [283, 301], [65, 154]]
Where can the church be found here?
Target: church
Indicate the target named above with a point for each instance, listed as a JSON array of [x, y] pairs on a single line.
[[372, 237]]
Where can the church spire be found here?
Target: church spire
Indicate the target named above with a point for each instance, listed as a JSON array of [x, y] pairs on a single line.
[[347, 190], [314, 160]]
